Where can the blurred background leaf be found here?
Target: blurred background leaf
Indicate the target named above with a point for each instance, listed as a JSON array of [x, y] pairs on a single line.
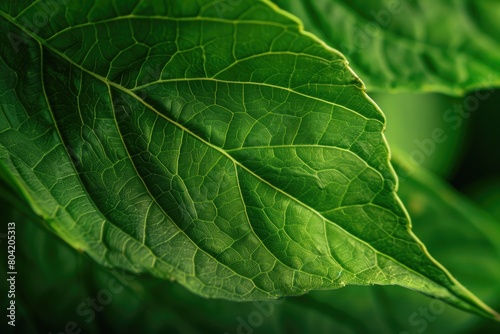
[[411, 121], [411, 46]]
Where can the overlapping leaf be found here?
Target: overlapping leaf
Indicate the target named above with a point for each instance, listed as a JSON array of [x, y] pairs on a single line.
[[218, 146], [444, 46]]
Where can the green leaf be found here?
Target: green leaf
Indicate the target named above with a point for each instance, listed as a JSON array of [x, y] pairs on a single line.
[[225, 149], [414, 46]]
